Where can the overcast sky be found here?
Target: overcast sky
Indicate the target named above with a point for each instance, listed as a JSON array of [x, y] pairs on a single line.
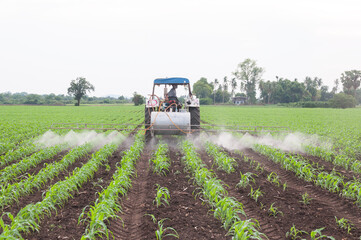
[[122, 46]]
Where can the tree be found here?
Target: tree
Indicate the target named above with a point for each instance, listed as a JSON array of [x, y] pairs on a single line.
[[202, 89], [312, 86], [335, 88], [233, 86], [78, 88], [342, 100], [225, 86], [214, 90], [351, 81], [249, 74], [267, 88], [137, 99]]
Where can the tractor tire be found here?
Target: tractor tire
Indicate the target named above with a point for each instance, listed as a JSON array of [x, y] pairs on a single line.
[[195, 120], [147, 113]]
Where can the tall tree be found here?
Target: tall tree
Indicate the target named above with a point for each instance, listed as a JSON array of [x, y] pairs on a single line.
[[351, 81], [215, 83], [267, 88], [202, 88], [312, 86], [79, 88], [335, 88], [233, 86], [225, 86], [249, 74]]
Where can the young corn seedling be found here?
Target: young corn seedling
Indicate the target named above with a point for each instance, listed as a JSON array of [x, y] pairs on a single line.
[[162, 197], [306, 198], [273, 178], [160, 160], [246, 179], [273, 211], [295, 233], [284, 186], [317, 234], [160, 233], [255, 194], [344, 224]]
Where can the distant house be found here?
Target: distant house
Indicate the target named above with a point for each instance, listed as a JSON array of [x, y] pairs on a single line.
[[239, 100]]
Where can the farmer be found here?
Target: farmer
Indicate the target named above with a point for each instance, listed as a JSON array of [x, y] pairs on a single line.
[[172, 98]]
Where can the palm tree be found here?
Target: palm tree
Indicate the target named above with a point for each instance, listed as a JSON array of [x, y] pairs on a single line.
[[215, 83], [233, 85], [225, 86]]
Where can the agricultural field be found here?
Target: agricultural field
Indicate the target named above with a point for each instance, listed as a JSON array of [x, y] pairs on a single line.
[[302, 184]]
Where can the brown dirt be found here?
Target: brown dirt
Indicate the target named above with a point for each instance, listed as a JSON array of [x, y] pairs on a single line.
[[64, 224], [36, 196], [188, 216], [328, 167], [320, 213], [35, 170]]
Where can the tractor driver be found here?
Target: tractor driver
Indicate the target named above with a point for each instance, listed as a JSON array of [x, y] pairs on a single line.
[[172, 94], [172, 97]]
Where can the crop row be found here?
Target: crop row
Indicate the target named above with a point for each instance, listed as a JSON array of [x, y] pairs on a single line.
[[13, 192], [160, 160], [340, 159], [225, 208], [221, 159], [14, 170], [107, 205], [29, 217], [333, 182], [12, 155]]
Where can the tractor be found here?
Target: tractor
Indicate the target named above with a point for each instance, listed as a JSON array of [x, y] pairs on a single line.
[[167, 115]]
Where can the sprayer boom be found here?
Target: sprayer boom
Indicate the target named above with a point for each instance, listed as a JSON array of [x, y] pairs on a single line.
[[243, 129], [94, 126]]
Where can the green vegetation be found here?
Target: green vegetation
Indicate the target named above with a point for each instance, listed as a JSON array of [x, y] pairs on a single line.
[[344, 224], [162, 196], [160, 160], [160, 233], [79, 88], [306, 198]]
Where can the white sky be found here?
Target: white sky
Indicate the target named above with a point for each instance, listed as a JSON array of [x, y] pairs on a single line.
[[122, 46]]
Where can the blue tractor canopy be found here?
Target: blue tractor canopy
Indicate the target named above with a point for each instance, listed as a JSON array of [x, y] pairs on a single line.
[[171, 81]]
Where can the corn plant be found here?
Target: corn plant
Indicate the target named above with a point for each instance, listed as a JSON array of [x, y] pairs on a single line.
[[160, 233], [226, 209], [245, 180], [306, 198], [7, 174], [295, 233], [344, 224], [246, 229], [107, 204], [284, 186], [273, 211], [317, 234], [162, 196], [255, 194], [273, 178], [330, 181], [12, 155], [29, 217], [13, 192], [221, 159], [160, 160]]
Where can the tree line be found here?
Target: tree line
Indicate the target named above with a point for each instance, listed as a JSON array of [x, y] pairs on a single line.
[[247, 79], [53, 99]]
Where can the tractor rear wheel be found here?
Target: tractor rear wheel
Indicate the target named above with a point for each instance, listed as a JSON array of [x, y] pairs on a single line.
[[147, 114], [195, 120]]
